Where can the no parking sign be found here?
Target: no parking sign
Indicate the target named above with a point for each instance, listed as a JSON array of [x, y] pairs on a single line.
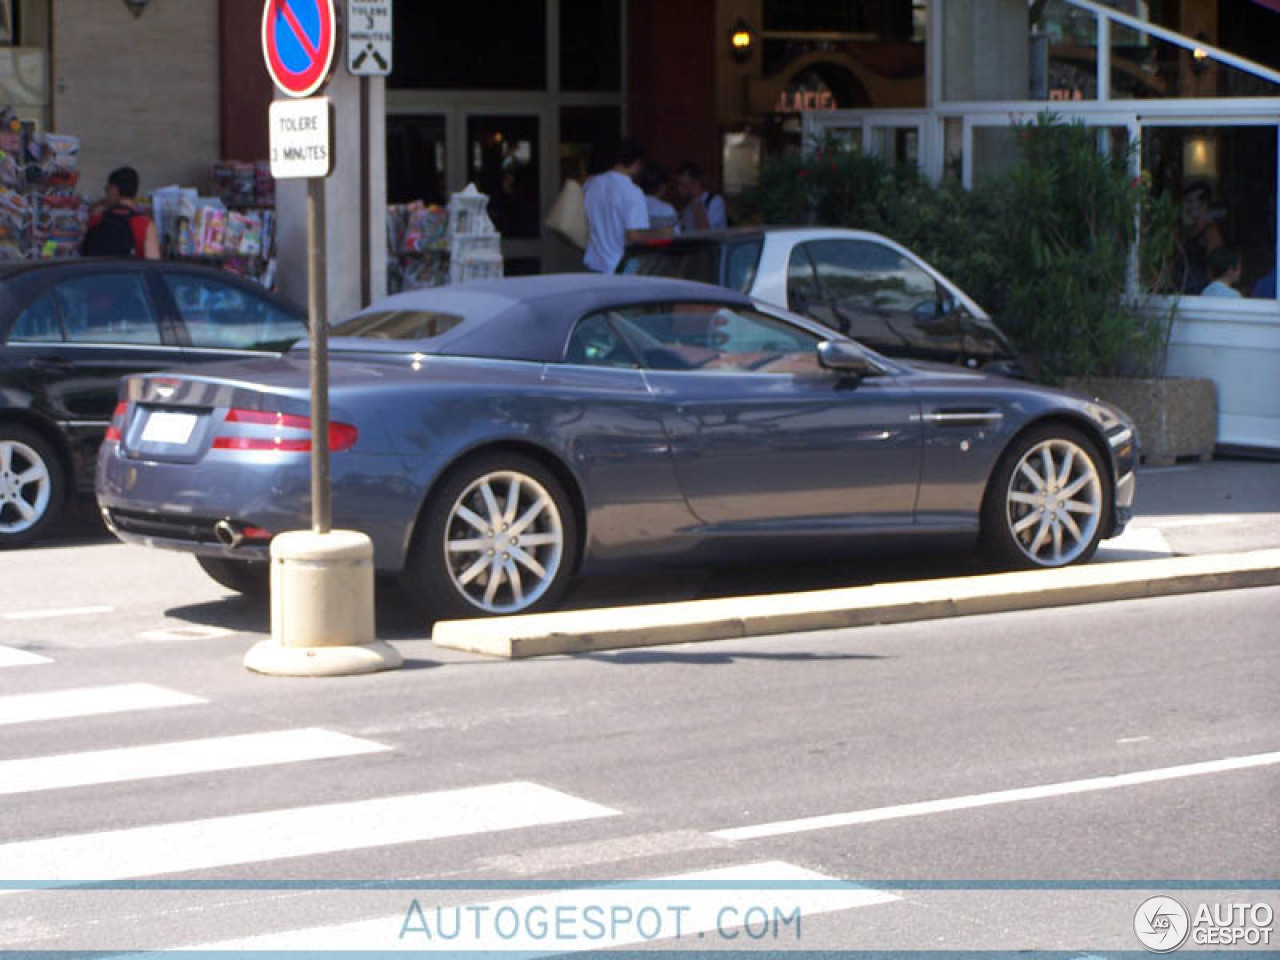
[[299, 38]]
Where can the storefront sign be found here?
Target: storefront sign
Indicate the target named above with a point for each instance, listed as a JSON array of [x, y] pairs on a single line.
[[802, 101], [301, 138], [298, 42], [369, 38]]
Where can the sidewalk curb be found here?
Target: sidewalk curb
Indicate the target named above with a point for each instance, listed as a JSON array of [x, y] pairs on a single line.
[[612, 628]]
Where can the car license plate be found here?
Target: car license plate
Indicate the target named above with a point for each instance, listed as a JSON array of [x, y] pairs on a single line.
[[169, 427]]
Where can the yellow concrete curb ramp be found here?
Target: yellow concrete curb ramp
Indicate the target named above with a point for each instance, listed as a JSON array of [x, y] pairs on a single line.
[[582, 631]]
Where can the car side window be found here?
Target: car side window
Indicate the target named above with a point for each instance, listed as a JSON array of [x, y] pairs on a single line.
[[715, 338], [107, 308], [221, 315], [38, 323], [802, 284], [595, 342], [865, 275], [741, 263]]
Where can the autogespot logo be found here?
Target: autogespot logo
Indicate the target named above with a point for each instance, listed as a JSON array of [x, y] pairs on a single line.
[[1162, 924]]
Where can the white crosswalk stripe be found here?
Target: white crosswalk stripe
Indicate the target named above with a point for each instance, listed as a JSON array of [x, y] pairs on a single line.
[[14, 657], [89, 702], [672, 908], [295, 832], [176, 759]]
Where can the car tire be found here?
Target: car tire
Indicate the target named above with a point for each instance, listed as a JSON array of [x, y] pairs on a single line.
[[32, 485], [242, 576], [479, 553], [1048, 501]]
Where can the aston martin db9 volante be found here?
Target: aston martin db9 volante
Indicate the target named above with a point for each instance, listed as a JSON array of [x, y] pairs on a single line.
[[496, 439]]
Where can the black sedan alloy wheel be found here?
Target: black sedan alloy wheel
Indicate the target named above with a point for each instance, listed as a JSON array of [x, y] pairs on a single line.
[[31, 485]]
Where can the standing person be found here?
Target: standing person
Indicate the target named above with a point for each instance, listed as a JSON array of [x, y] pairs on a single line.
[[117, 225], [702, 210], [653, 181], [616, 211]]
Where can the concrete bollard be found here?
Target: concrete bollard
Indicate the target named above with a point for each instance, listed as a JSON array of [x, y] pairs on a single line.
[[321, 608]]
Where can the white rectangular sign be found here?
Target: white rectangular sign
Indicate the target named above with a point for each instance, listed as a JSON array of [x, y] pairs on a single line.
[[301, 140], [369, 38]]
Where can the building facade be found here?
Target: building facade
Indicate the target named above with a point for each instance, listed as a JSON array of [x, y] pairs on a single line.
[[517, 95]]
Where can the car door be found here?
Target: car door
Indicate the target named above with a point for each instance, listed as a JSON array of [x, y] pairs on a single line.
[[219, 318], [619, 442], [762, 437], [74, 340], [877, 295]]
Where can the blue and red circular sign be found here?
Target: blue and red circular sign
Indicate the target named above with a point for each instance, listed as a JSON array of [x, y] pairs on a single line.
[[299, 38]]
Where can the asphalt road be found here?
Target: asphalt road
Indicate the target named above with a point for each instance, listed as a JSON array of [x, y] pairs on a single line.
[[474, 781]]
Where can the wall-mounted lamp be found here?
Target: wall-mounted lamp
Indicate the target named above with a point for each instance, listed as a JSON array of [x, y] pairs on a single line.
[[136, 6], [741, 41], [1199, 56]]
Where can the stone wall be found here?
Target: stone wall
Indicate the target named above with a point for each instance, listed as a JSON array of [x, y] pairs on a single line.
[[141, 91]]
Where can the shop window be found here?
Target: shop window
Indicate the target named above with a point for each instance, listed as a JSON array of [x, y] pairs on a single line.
[[1224, 178], [1144, 68], [881, 19], [477, 45], [416, 159], [591, 45], [588, 136], [503, 162]]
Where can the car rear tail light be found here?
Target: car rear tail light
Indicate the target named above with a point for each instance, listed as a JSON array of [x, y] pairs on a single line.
[[255, 533], [289, 432], [115, 432]]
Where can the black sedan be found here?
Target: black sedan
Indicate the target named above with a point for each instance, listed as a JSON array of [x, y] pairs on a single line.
[[69, 329], [496, 438]]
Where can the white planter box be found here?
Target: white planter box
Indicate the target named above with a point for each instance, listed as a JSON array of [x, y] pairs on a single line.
[[1236, 344]]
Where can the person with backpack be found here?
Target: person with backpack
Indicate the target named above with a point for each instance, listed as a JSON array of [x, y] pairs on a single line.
[[117, 226], [702, 210]]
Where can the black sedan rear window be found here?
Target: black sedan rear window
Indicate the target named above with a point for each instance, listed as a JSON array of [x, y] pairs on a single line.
[[397, 325], [683, 261]]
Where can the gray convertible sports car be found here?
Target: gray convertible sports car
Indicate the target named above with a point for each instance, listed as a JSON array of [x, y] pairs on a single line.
[[495, 439]]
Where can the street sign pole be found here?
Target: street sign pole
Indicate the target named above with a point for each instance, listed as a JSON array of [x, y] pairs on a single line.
[[318, 315], [322, 580]]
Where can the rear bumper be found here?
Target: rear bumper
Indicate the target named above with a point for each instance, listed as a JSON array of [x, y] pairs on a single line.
[[176, 506]]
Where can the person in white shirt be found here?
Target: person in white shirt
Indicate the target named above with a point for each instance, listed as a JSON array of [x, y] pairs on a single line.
[[653, 181], [703, 210], [616, 211], [1224, 268]]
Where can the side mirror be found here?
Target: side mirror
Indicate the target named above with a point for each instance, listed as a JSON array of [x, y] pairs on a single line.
[[845, 358]]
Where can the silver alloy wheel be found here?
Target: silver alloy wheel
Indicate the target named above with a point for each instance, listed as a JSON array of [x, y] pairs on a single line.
[[25, 487], [504, 542], [1054, 502]]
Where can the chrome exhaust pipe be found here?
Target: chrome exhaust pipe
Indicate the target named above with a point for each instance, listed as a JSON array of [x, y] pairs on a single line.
[[227, 535]]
